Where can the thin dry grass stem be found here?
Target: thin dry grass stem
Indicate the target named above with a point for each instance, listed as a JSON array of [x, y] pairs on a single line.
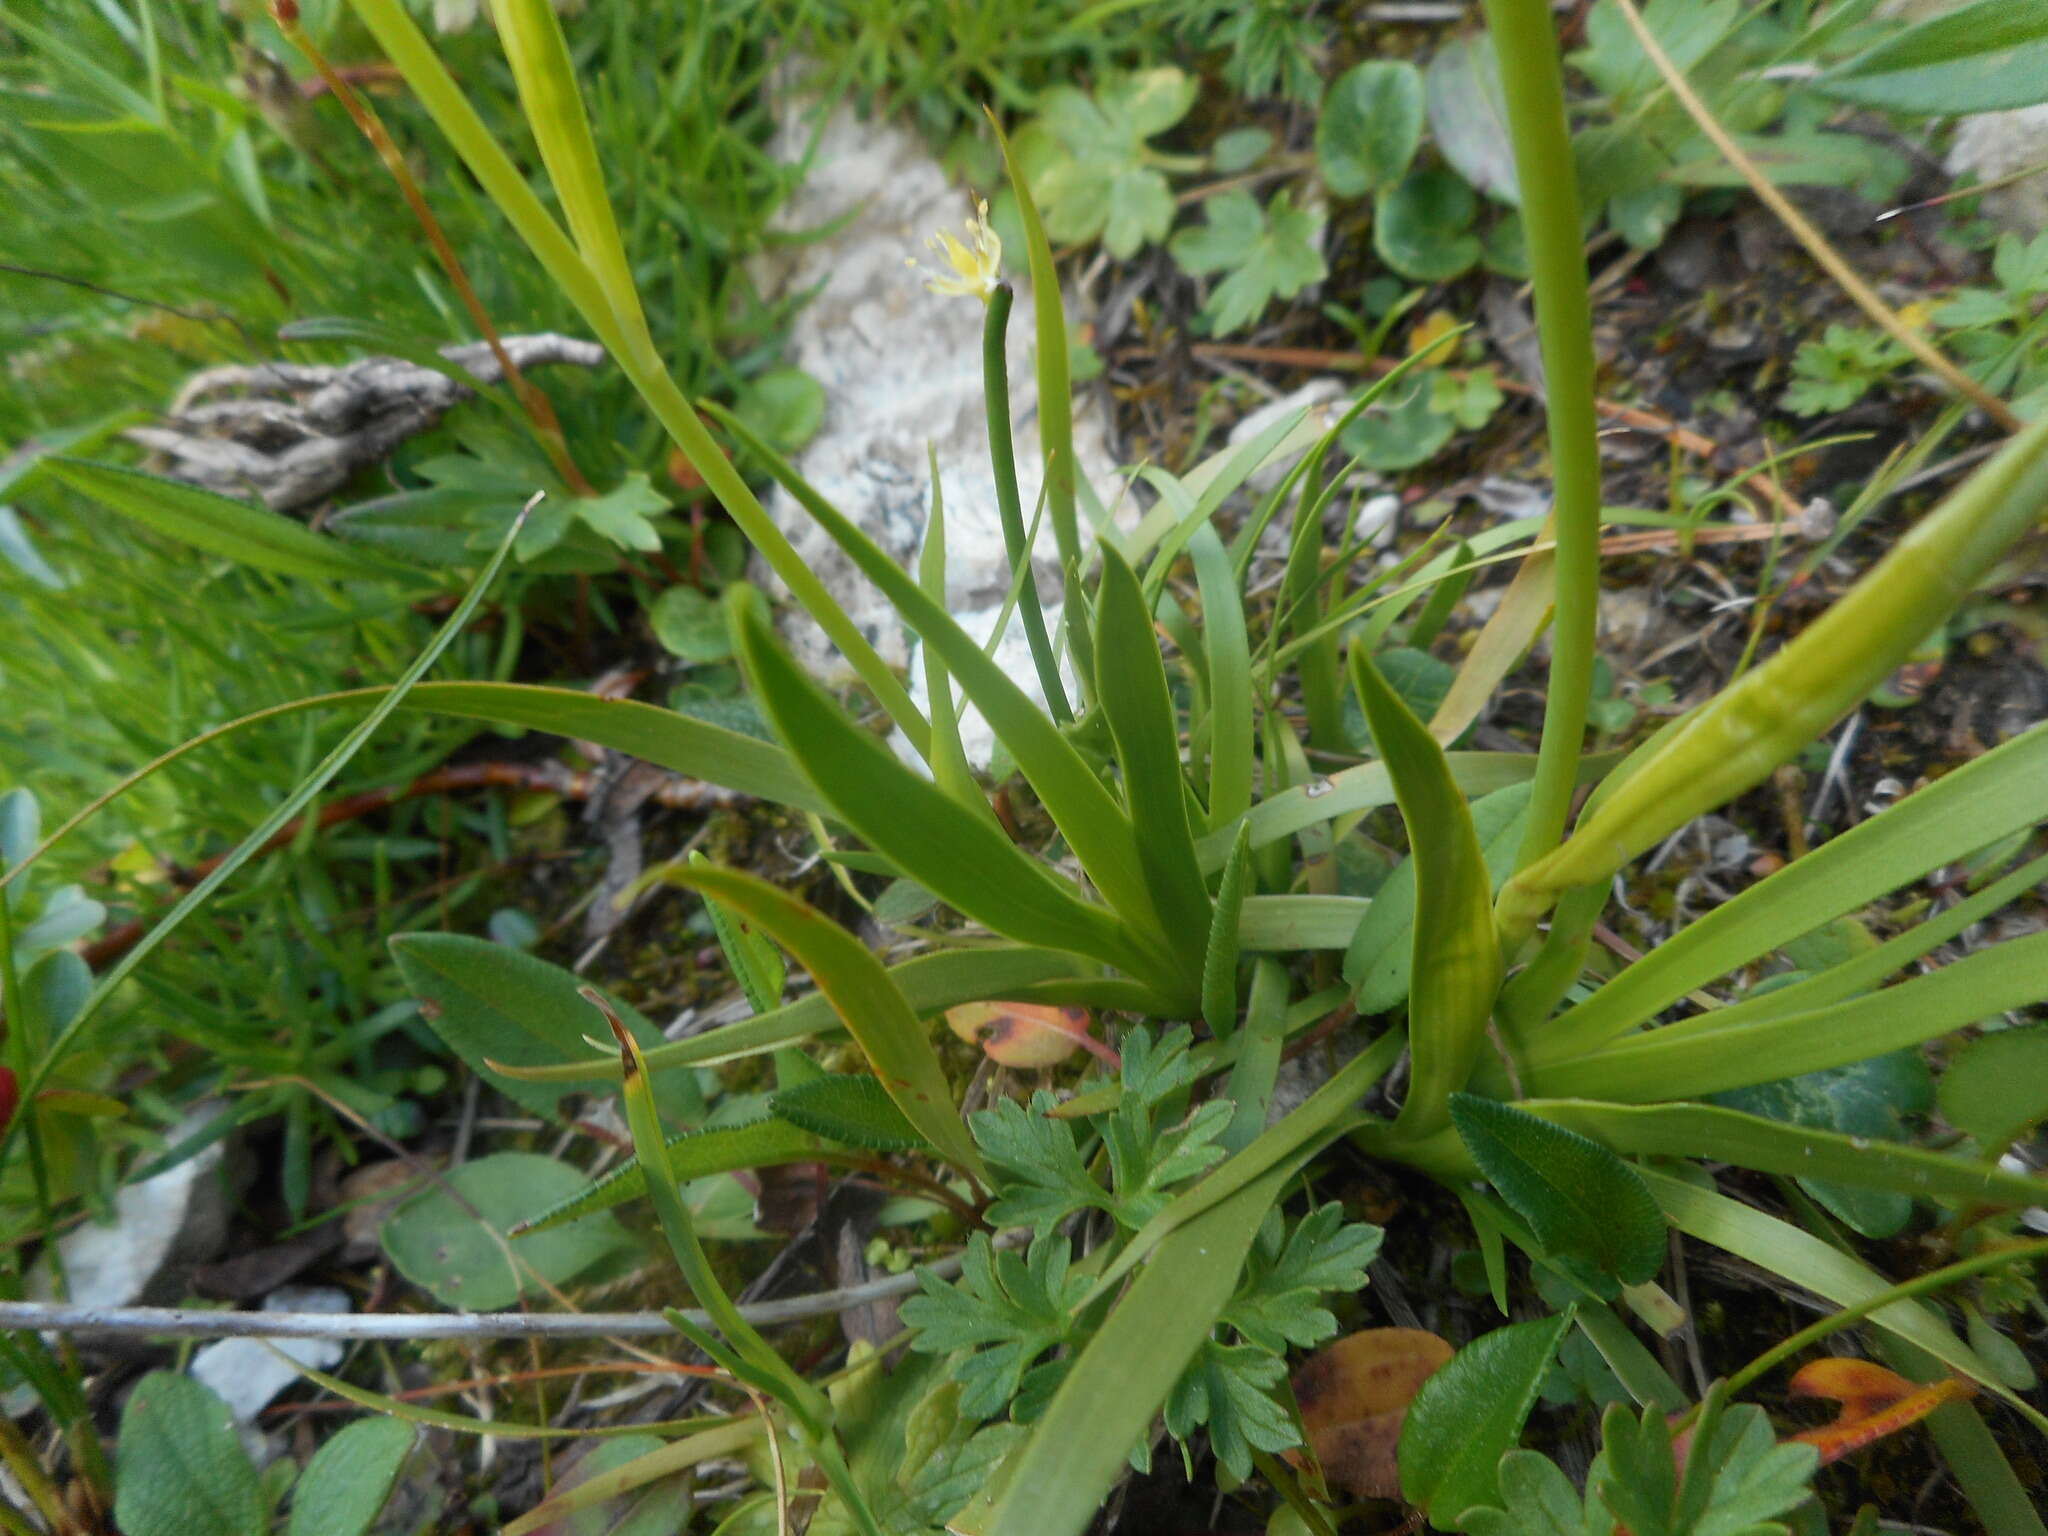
[[1830, 260], [532, 400]]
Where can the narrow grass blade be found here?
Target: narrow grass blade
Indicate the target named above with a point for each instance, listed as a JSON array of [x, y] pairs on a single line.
[[1219, 964], [1130, 681], [1783, 1249], [2009, 975], [1095, 828], [677, 1456], [950, 770], [220, 525], [1277, 924], [755, 963], [1974, 806], [691, 1155], [743, 1351], [1229, 651], [1258, 1056], [545, 75], [1772, 712], [929, 983], [963, 858], [1771, 1146], [289, 808], [872, 1007], [1456, 970]]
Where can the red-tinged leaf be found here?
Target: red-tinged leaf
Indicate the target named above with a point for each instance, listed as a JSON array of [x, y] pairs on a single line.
[[1026, 1034], [1354, 1397], [1874, 1402], [10, 1096]]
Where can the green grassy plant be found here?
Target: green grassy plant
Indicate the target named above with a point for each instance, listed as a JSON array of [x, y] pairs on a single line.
[[1185, 866]]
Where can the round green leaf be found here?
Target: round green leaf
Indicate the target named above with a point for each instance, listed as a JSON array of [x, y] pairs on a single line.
[[462, 1259], [1423, 227], [1996, 1088], [690, 625], [1370, 127], [182, 1469], [1399, 436], [785, 405], [347, 1482]]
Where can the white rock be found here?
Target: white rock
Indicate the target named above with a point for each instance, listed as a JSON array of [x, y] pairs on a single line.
[[161, 1224], [901, 369], [246, 1375], [1993, 144]]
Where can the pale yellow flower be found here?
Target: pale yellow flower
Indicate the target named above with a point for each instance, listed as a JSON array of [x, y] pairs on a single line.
[[977, 266]]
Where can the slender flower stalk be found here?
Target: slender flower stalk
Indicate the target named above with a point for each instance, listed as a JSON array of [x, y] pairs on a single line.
[[1532, 80]]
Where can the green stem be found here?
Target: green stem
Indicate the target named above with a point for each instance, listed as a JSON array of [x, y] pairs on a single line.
[[1533, 82], [995, 385]]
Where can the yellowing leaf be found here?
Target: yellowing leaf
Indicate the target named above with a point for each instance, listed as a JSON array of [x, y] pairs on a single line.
[[1026, 1035]]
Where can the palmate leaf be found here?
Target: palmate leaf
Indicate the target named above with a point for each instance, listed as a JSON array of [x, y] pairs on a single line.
[[1042, 1179], [1229, 1389], [1278, 1303], [1006, 1310]]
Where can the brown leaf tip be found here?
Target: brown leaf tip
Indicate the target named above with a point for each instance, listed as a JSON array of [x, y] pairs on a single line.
[[628, 1058]]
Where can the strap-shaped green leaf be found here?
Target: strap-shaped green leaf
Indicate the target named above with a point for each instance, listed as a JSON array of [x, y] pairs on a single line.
[[2009, 975], [692, 1155], [755, 963], [871, 1006], [1219, 964], [1085, 812], [1130, 680], [220, 525], [930, 983], [1772, 1146], [1583, 1203], [1782, 1249], [1456, 967], [1382, 953], [1229, 651], [847, 1107], [1970, 808], [963, 858]]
